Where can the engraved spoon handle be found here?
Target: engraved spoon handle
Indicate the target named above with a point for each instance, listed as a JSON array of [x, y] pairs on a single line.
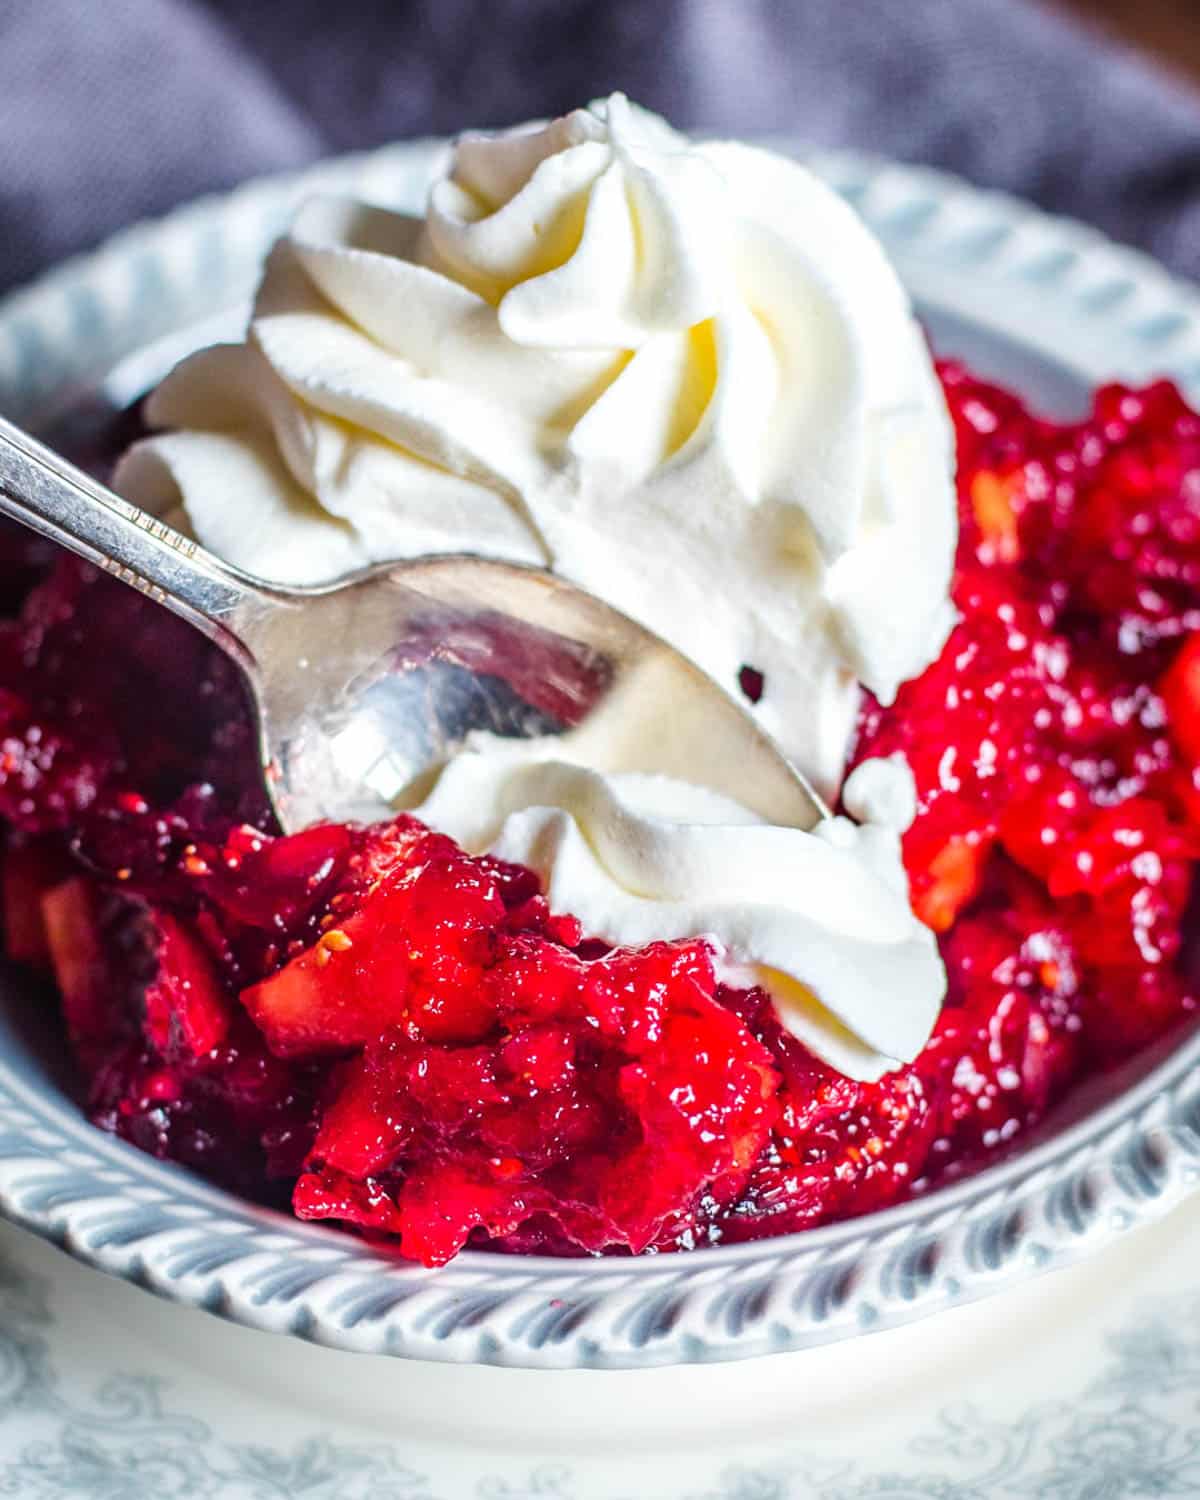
[[45, 492]]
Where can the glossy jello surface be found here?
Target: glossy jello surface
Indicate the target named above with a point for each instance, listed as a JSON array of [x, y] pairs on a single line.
[[380, 1030]]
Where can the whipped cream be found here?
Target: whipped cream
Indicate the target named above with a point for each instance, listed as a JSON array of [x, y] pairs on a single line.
[[820, 919], [683, 375]]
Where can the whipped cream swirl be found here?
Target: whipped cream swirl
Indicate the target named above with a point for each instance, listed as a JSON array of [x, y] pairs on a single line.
[[820, 919], [683, 375]]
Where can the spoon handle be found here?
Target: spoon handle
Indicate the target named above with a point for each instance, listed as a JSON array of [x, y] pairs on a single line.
[[45, 492]]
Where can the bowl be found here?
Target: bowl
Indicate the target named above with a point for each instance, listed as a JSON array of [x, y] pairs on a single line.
[[1043, 305]]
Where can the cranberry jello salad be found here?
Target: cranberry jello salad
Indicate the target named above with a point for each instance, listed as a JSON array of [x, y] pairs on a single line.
[[553, 1006]]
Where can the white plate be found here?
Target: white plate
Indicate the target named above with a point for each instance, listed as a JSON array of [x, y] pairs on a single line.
[[1081, 1385]]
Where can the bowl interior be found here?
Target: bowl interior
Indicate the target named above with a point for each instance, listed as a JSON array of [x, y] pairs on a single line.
[[1011, 320], [31, 1043]]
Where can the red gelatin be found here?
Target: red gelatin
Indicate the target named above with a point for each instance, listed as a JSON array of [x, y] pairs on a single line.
[[396, 1037], [609, 1093]]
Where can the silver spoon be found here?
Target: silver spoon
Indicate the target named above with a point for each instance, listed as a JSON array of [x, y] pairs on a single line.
[[362, 687]]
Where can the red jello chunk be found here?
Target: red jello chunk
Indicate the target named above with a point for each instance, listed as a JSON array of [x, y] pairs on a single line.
[[986, 695], [1007, 1042], [173, 1066], [71, 918], [106, 950], [237, 1114], [1120, 873], [405, 942], [187, 1012], [1180, 688], [839, 1147], [506, 1077]]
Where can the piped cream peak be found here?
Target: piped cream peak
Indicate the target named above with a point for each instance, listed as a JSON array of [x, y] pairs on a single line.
[[683, 375]]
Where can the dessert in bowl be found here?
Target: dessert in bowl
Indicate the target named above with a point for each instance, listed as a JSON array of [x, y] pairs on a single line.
[[604, 1017]]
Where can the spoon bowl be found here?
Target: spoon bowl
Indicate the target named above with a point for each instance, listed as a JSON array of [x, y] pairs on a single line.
[[364, 687]]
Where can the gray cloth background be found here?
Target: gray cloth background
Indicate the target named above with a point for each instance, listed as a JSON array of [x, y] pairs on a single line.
[[114, 109]]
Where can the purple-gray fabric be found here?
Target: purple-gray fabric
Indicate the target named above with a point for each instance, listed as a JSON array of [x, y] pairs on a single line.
[[114, 109]]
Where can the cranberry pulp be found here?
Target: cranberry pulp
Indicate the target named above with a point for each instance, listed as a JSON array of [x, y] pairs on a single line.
[[378, 1030]]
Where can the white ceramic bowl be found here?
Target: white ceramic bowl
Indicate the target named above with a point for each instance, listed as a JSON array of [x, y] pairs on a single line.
[[1046, 306]]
